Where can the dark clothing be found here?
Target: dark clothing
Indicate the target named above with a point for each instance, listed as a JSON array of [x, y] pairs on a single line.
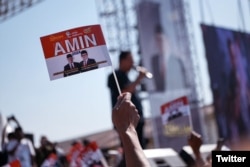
[[70, 71], [232, 92], [88, 66], [157, 64], [124, 81]]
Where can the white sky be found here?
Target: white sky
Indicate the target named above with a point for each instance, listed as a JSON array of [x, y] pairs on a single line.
[[77, 105]]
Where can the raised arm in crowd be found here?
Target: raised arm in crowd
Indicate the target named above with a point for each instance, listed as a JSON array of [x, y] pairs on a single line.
[[125, 118]]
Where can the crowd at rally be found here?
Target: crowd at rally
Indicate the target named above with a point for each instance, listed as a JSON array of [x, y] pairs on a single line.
[[128, 120], [20, 151]]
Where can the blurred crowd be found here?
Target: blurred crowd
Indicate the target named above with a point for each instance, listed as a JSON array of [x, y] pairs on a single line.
[[18, 150]]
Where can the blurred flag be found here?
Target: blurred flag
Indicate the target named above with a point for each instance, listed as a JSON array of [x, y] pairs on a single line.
[[176, 117], [15, 163]]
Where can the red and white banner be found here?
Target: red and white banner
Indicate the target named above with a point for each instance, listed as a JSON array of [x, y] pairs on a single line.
[[15, 163], [176, 117], [75, 45], [91, 155], [86, 155]]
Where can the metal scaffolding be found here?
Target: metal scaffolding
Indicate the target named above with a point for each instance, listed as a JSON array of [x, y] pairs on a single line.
[[195, 67], [118, 20], [10, 8]]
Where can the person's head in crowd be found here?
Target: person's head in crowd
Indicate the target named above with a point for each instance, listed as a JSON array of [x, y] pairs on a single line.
[[11, 136], [84, 55], [19, 133], [76, 144], [126, 61], [44, 141], [85, 142], [70, 58]]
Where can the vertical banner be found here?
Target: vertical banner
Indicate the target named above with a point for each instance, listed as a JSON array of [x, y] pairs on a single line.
[[176, 117], [162, 52], [75, 51], [164, 48], [228, 56]]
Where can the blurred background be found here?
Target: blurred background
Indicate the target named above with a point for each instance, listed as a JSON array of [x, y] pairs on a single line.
[[204, 48]]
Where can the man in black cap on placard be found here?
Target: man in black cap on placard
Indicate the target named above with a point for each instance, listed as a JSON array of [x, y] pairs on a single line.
[[72, 67]]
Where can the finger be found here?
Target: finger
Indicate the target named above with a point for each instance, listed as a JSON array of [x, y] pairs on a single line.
[[127, 96], [121, 99], [118, 103]]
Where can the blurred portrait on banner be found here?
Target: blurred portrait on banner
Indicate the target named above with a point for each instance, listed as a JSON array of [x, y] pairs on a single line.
[[228, 56], [164, 51], [161, 53]]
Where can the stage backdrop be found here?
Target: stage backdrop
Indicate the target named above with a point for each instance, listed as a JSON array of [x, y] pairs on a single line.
[[228, 57], [164, 48]]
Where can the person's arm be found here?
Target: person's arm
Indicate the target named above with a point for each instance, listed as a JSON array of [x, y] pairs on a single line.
[[3, 135], [132, 86], [13, 118], [195, 143], [5, 128], [125, 118]]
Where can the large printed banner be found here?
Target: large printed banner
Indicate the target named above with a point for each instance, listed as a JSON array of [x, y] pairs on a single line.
[[75, 51], [160, 28], [228, 57], [176, 117], [162, 52]]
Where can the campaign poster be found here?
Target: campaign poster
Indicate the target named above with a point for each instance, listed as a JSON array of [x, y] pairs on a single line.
[[75, 51], [162, 51], [228, 57], [176, 118], [165, 50]]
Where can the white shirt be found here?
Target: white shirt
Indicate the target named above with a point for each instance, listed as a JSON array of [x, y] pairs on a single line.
[[24, 152], [9, 147]]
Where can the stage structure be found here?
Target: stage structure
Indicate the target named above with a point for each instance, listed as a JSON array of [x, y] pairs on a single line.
[[10, 8], [125, 28], [118, 20]]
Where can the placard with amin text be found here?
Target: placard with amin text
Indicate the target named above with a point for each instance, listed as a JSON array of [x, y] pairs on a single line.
[[75, 51]]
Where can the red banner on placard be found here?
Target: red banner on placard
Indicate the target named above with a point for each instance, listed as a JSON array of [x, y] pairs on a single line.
[[174, 104], [71, 40], [176, 117]]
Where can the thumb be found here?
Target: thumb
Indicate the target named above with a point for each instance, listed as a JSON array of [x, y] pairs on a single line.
[[127, 96], [123, 97]]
